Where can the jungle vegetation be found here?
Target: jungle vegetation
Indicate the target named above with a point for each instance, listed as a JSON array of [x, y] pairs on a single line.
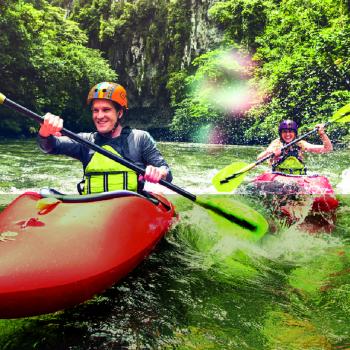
[[270, 60]]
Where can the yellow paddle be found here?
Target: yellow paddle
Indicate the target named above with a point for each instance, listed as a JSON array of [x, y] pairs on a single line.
[[229, 178]]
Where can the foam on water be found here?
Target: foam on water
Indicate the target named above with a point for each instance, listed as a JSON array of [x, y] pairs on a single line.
[[291, 244], [343, 186]]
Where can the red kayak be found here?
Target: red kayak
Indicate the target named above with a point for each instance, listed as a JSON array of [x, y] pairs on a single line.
[[299, 189], [57, 251]]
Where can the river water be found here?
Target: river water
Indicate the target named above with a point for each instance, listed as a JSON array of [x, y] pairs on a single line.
[[291, 290]]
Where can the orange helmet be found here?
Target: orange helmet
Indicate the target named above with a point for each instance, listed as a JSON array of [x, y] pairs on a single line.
[[109, 91]]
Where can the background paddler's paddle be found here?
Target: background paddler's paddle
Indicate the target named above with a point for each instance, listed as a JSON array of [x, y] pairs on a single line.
[[229, 178], [254, 224]]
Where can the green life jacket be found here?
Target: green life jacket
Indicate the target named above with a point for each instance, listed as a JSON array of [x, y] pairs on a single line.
[[103, 174], [291, 165], [290, 162]]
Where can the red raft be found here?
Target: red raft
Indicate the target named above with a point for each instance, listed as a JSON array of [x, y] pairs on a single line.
[[294, 190], [57, 251]]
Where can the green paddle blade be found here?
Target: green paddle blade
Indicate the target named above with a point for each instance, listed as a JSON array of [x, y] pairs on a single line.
[[228, 171], [342, 115], [235, 218]]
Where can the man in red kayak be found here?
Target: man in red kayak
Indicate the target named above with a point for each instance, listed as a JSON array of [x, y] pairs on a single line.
[[290, 160], [108, 102]]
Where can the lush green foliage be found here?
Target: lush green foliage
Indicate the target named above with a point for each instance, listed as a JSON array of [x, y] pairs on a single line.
[[45, 64], [297, 61], [242, 20], [302, 53]]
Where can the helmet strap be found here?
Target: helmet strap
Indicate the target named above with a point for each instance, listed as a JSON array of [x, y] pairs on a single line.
[[117, 123], [115, 126]]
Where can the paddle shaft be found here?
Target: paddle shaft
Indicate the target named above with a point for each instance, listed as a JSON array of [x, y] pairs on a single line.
[[262, 160], [15, 106]]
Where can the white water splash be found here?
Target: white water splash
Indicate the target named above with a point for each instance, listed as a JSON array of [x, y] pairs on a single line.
[[344, 185], [291, 244]]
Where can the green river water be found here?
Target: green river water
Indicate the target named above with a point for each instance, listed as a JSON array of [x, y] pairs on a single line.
[[291, 290]]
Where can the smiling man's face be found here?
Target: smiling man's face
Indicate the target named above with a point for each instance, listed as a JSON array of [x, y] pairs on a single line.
[[104, 115]]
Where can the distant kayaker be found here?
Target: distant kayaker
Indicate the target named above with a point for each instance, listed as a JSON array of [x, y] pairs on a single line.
[[108, 102], [290, 161]]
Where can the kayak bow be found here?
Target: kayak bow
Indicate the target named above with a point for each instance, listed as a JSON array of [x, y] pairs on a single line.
[[57, 251]]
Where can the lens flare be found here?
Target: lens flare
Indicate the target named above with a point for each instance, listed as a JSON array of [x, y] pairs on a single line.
[[209, 133], [228, 86], [202, 135], [217, 136]]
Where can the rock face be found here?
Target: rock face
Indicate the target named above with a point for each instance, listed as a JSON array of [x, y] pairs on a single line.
[[202, 34], [145, 41]]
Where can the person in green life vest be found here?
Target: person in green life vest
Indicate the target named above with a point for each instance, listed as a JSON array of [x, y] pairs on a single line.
[[290, 161], [108, 102]]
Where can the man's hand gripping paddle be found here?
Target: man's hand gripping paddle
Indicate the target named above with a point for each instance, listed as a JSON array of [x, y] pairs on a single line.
[[234, 216]]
